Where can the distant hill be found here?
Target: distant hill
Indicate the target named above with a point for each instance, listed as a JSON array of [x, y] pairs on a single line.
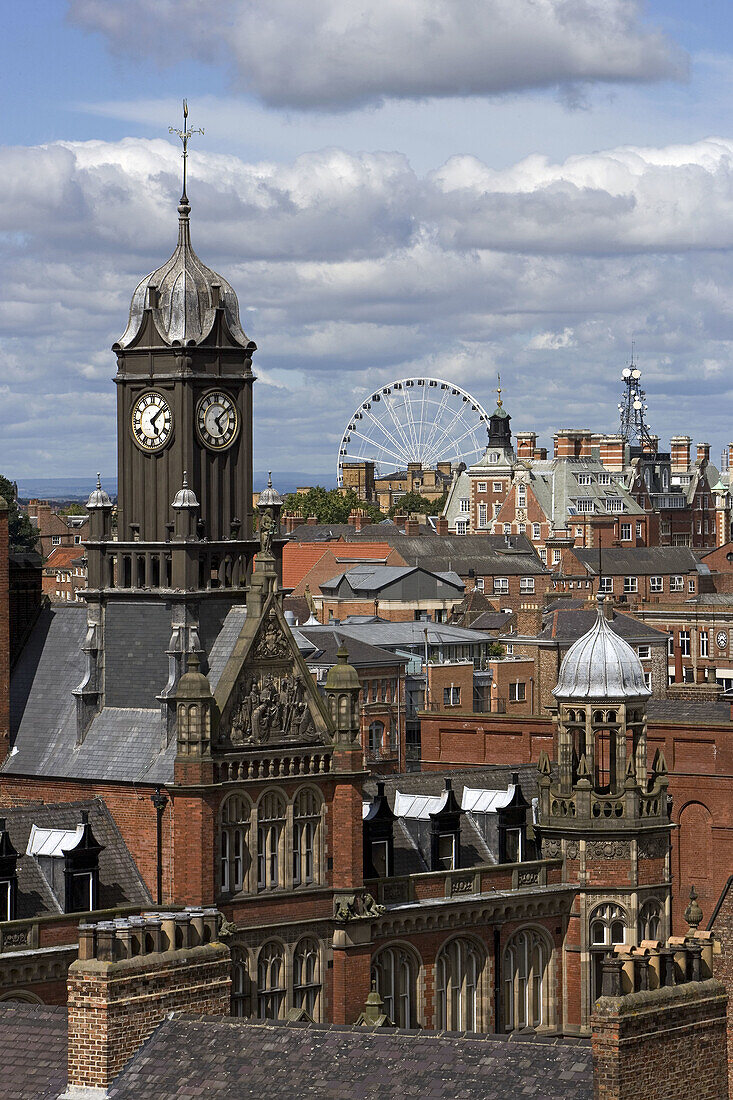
[[79, 488]]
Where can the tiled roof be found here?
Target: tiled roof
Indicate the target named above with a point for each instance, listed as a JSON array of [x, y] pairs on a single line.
[[568, 624], [63, 557], [217, 1058], [639, 560], [119, 879], [299, 558], [32, 1051]]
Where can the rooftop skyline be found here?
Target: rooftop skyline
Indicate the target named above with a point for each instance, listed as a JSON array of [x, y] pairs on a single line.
[[493, 186]]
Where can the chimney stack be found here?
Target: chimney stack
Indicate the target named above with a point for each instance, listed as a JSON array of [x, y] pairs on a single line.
[[679, 446], [703, 452]]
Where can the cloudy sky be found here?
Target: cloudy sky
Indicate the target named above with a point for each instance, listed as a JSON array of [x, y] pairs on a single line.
[[396, 187]]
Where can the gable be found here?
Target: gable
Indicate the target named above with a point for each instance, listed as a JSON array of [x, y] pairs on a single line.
[[266, 695]]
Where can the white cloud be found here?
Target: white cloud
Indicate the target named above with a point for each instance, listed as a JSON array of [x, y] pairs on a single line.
[[352, 270], [337, 54]]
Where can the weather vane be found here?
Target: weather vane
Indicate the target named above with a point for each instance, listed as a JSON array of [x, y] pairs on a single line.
[[498, 389], [184, 135]]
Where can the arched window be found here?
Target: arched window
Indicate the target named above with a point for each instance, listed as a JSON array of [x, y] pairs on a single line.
[[270, 841], [307, 978], [271, 982], [526, 994], [306, 837], [607, 927], [241, 993], [649, 925], [395, 971], [459, 986], [376, 733], [235, 851]]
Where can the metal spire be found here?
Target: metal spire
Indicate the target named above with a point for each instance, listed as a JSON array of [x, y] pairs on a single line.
[[184, 135], [498, 390]]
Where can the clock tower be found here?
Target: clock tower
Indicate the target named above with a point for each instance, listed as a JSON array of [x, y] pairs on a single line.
[[185, 544]]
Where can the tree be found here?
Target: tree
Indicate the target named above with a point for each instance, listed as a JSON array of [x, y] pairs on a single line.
[[416, 502], [21, 531], [329, 505], [496, 649], [73, 510]]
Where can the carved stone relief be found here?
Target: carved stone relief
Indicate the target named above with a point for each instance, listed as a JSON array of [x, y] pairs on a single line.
[[653, 847], [607, 849], [271, 643], [270, 707]]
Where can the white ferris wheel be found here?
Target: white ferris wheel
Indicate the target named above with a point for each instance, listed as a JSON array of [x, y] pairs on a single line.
[[424, 420]]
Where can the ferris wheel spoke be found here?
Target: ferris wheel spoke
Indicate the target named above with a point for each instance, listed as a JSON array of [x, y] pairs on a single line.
[[444, 430], [400, 458], [400, 446], [399, 426], [459, 439], [411, 424], [436, 419]]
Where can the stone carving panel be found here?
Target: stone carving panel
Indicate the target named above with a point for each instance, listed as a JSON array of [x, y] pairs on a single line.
[[272, 643], [270, 707], [607, 849], [653, 847]]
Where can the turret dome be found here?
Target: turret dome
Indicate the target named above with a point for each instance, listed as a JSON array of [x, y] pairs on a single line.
[[98, 498], [600, 665], [183, 296]]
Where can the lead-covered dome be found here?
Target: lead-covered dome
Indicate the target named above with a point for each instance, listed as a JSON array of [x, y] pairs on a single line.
[[600, 665], [183, 296]]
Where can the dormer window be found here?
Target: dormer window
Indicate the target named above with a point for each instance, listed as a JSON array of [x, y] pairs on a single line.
[[69, 860]]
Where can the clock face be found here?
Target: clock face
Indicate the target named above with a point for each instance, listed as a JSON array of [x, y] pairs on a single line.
[[217, 420], [722, 639], [152, 421]]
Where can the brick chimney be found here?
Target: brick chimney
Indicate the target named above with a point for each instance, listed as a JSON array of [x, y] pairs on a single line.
[[129, 975], [611, 451], [4, 632], [526, 444], [358, 518], [573, 443], [703, 452], [412, 526], [312, 521], [441, 525], [730, 456], [400, 520], [679, 446]]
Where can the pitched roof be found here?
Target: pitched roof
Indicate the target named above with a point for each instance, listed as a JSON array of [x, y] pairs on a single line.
[[63, 557], [222, 1057], [640, 560], [566, 625], [377, 577], [299, 558], [328, 641], [33, 1044]]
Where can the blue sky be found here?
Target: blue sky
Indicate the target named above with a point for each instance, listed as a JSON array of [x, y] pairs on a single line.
[[375, 220]]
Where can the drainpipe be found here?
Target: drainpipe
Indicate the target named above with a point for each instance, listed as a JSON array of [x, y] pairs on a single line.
[[160, 802]]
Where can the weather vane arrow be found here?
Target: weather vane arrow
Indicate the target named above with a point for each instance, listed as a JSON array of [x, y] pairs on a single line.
[[184, 135]]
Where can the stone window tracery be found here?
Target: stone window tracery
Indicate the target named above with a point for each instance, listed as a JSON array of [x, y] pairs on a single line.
[[307, 978], [270, 841], [649, 924], [306, 837], [607, 925], [234, 836], [526, 994], [241, 989], [271, 982], [460, 981], [395, 971]]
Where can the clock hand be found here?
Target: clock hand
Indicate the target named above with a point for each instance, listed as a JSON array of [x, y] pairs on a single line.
[[154, 420], [218, 419]]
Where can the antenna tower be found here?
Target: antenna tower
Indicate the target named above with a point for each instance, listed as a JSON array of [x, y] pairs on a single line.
[[633, 408]]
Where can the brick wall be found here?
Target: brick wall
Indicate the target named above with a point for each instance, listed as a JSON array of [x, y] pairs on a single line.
[[722, 926], [662, 1044], [114, 1003]]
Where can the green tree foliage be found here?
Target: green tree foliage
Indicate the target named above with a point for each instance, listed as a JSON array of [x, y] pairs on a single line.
[[74, 510], [496, 649], [22, 532], [329, 505], [416, 502]]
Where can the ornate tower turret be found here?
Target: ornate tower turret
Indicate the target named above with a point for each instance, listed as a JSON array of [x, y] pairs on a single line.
[[606, 812]]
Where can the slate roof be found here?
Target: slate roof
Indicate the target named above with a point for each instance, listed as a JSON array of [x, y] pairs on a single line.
[[124, 741], [329, 640], [569, 624], [555, 482], [190, 1056], [639, 560], [375, 578], [487, 555], [33, 1041], [492, 620], [119, 879], [383, 632], [688, 711]]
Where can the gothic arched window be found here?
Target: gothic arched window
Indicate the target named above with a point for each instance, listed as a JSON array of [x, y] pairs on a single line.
[[649, 925], [395, 971], [526, 995], [270, 841], [607, 927], [306, 837], [241, 991], [459, 986], [234, 820], [376, 734], [271, 982], [307, 978]]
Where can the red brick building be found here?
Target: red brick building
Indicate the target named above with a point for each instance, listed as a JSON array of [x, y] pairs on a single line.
[[65, 574], [55, 529]]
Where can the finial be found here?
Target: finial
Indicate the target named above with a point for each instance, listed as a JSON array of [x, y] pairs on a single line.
[[693, 912], [498, 390], [269, 479], [99, 480], [184, 135], [185, 479]]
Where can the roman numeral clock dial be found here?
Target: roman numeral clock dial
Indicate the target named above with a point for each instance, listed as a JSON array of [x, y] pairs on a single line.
[[217, 421], [152, 421]]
